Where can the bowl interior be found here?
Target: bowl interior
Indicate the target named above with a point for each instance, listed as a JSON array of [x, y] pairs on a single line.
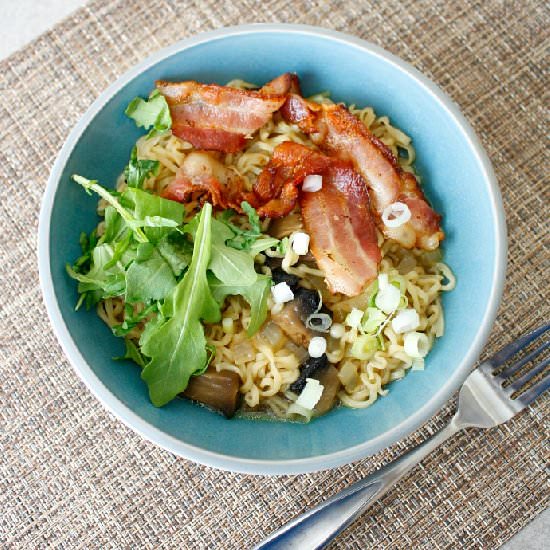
[[455, 182]]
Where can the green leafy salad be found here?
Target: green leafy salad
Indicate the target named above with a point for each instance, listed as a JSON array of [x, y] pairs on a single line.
[[179, 273]]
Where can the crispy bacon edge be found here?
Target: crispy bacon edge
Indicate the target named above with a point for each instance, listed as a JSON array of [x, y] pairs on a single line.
[[219, 118], [340, 133], [204, 178]]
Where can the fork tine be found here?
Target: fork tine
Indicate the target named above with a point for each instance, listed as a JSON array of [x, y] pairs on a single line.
[[520, 382], [512, 369], [536, 391], [511, 349]]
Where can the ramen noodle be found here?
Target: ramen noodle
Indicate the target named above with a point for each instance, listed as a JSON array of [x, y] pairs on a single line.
[[269, 362]]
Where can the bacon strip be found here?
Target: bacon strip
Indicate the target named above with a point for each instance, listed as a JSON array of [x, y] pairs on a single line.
[[337, 218], [275, 193], [340, 133], [282, 85], [342, 231], [219, 118], [277, 184]]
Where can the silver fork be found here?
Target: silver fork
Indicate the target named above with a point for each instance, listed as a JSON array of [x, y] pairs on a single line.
[[483, 402]]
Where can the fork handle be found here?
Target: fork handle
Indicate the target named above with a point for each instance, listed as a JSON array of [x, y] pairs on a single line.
[[317, 527]]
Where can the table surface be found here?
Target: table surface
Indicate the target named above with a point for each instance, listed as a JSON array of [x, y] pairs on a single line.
[[26, 20]]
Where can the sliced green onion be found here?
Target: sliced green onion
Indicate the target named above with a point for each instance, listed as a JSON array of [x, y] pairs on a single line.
[[354, 317], [372, 320], [364, 347], [337, 330], [388, 299], [227, 325], [416, 344], [297, 410], [405, 321], [399, 282], [320, 322]]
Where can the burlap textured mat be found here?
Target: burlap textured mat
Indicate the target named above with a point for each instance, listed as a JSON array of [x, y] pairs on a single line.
[[73, 476]]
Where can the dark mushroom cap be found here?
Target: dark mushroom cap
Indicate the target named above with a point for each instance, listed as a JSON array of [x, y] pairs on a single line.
[[307, 369], [280, 276]]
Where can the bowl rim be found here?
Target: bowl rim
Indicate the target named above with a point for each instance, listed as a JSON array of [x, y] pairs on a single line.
[[278, 466]]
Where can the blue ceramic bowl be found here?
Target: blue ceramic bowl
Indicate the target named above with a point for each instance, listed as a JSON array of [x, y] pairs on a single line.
[[459, 181]]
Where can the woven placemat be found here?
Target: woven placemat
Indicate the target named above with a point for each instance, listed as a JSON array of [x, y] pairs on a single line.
[[74, 476]]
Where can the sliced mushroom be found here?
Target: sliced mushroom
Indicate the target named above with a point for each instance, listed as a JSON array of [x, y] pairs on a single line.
[[217, 390], [280, 276], [328, 378], [292, 318], [306, 302], [288, 319], [308, 368]]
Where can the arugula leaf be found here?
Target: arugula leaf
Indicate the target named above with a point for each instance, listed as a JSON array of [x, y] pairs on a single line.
[[152, 279], [151, 327], [158, 216], [120, 248], [153, 221], [114, 226], [177, 346], [132, 319], [127, 216], [255, 294], [144, 251], [87, 245], [111, 285], [176, 250], [244, 238], [262, 244], [138, 171], [233, 267], [283, 245], [253, 217], [99, 275], [105, 277], [153, 112], [132, 353]]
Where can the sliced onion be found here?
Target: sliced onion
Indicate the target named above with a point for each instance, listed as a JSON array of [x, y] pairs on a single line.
[[407, 264], [396, 214], [312, 183], [321, 322], [271, 333], [300, 352], [348, 374], [244, 352]]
